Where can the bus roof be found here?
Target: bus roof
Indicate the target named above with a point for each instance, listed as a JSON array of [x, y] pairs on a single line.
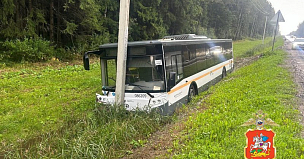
[[171, 40]]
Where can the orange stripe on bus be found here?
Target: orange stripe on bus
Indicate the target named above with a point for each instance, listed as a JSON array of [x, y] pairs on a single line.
[[189, 82]]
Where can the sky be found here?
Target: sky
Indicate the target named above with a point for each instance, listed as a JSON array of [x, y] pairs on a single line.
[[292, 11]]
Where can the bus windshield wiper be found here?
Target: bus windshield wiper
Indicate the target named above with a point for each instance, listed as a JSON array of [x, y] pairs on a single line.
[[139, 86], [109, 88]]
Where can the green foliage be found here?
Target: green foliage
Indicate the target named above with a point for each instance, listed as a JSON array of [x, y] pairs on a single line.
[[91, 42], [65, 54], [76, 24], [70, 28], [148, 19], [264, 85], [83, 44], [216, 13], [27, 49], [145, 20], [207, 32]]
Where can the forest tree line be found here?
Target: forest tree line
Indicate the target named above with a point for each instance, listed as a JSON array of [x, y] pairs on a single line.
[[75, 26], [300, 31]]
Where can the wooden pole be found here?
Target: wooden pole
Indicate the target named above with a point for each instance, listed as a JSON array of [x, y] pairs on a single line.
[[122, 51]]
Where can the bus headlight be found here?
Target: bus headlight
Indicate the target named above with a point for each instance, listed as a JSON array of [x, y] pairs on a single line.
[[99, 98], [155, 102]]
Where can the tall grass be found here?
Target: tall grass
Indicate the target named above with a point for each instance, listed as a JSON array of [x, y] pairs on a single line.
[[101, 133]]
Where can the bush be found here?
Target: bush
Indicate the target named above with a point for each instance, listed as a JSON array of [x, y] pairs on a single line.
[[83, 44], [91, 42], [66, 54], [27, 49]]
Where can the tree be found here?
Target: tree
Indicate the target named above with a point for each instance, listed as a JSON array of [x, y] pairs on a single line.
[[146, 22], [300, 30], [80, 23]]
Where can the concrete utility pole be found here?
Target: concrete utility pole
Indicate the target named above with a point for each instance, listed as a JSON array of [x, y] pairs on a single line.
[[276, 29], [122, 51], [264, 29]]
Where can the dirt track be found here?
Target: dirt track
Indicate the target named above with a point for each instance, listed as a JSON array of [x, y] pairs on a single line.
[[295, 62]]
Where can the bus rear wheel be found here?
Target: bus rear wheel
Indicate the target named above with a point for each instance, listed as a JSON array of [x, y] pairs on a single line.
[[192, 92], [224, 73]]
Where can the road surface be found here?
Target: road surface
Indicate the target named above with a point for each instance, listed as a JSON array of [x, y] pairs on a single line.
[[295, 62]]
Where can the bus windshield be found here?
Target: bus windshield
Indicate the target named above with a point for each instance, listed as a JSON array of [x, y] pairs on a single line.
[[143, 74]]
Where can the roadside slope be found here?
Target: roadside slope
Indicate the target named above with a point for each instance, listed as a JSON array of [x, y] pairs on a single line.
[[163, 143], [264, 85]]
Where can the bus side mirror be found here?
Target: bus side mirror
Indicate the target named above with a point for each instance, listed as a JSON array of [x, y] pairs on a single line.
[[86, 61], [172, 76]]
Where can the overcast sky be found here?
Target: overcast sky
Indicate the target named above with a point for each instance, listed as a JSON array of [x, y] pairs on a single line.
[[292, 11]]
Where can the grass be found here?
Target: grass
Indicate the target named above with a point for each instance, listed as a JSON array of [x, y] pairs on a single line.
[[103, 133], [52, 113], [34, 102], [264, 85], [49, 111], [248, 47]]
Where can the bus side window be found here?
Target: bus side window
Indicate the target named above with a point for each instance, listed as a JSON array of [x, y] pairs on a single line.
[[186, 54], [173, 64], [208, 51], [179, 63], [192, 52], [111, 72]]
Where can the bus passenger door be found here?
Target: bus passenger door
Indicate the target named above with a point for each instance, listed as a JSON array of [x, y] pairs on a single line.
[[176, 65], [177, 93]]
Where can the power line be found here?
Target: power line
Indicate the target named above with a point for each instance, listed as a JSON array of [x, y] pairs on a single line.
[[255, 5], [261, 5], [259, 9]]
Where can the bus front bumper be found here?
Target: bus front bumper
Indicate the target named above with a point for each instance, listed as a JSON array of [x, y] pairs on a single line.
[[134, 103]]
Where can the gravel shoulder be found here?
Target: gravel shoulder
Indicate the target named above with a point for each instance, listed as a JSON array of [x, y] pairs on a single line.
[[295, 63]]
